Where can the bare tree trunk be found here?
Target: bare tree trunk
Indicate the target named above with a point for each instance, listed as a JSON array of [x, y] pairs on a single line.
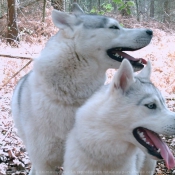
[[58, 4], [115, 7], [44, 10], [152, 9], [99, 3], [12, 35], [65, 4], [90, 5], [166, 11], [137, 9], [124, 12]]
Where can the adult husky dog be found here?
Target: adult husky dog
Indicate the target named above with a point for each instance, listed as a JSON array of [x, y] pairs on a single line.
[[115, 123], [69, 70]]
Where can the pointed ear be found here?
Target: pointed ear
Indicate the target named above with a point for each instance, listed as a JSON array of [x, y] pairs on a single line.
[[76, 9], [146, 71], [123, 78], [62, 19]]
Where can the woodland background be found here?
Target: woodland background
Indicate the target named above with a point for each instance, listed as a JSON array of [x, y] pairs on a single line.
[[25, 27]]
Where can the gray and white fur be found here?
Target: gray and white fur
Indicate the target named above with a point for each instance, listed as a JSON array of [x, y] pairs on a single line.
[[68, 71], [102, 141]]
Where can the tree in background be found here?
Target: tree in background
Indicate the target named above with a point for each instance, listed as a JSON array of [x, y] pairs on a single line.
[[137, 10], [152, 9], [58, 4], [99, 4], [159, 10], [126, 9], [12, 35], [124, 6], [166, 11]]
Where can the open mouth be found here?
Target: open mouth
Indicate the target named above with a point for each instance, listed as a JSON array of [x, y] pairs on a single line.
[[118, 55], [154, 145]]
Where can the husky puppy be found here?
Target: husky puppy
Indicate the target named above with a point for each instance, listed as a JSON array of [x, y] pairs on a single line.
[[68, 71], [116, 123]]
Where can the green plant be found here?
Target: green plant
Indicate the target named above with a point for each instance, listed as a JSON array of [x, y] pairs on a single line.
[[104, 8], [107, 7], [122, 5]]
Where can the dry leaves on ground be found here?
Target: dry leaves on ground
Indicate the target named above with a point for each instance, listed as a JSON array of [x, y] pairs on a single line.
[[161, 51]]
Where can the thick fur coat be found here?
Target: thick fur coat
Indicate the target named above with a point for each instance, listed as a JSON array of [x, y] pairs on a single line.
[[68, 71], [117, 125]]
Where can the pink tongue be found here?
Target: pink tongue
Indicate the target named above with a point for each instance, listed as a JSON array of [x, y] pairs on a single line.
[[164, 150], [129, 57]]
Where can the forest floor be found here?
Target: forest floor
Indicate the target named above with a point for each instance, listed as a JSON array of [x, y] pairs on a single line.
[[161, 52]]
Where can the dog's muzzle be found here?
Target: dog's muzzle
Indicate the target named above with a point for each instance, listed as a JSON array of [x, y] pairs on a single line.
[[118, 55], [154, 145]]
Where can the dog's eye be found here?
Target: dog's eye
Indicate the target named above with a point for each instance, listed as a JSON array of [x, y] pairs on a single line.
[[151, 106], [114, 27]]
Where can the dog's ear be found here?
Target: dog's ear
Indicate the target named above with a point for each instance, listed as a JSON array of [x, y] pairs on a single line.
[[146, 71], [76, 9], [124, 77], [62, 19]]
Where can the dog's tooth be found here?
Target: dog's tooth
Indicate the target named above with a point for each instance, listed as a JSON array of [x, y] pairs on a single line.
[[158, 150], [138, 132], [144, 139], [117, 55], [148, 143], [140, 61], [141, 134]]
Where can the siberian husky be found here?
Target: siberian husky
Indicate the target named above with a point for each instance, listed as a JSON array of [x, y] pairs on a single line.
[[68, 71], [116, 123]]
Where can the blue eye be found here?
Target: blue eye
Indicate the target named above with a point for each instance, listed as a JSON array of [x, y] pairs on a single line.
[[151, 106], [113, 27]]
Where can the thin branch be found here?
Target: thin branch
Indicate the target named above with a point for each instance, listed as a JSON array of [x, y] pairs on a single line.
[[24, 4], [7, 133], [15, 75], [15, 56]]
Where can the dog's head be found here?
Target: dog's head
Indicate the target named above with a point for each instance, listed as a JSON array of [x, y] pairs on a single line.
[[143, 111], [101, 38]]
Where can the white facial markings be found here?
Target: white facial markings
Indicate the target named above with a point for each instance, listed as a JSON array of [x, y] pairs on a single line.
[[148, 98], [161, 99]]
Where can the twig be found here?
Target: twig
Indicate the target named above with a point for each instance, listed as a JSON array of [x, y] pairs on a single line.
[[15, 56], [170, 97], [15, 74], [6, 134]]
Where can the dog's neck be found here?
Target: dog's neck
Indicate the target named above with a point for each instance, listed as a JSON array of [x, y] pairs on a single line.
[[100, 150], [105, 146], [72, 79]]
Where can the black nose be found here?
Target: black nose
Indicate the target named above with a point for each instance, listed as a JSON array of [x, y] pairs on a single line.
[[149, 32]]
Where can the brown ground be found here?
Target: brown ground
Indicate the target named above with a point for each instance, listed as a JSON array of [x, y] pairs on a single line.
[[161, 51]]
